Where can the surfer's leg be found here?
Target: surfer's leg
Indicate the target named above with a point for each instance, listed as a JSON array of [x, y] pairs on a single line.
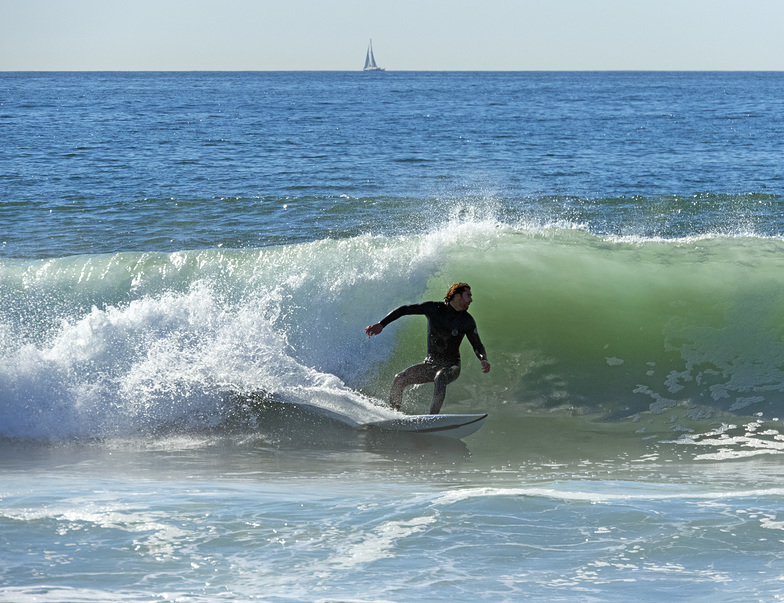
[[443, 378], [414, 375]]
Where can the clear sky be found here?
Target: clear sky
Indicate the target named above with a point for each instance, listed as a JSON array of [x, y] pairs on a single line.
[[407, 34]]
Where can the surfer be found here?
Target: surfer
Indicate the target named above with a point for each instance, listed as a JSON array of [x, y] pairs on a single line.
[[447, 323]]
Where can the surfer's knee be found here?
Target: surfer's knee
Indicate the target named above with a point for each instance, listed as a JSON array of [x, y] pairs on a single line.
[[400, 380], [448, 374]]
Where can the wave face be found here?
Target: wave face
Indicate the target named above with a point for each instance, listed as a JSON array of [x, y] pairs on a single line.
[[116, 344]]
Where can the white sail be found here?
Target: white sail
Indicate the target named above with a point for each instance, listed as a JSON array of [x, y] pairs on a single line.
[[370, 60]]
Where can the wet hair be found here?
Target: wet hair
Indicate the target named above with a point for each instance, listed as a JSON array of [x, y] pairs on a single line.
[[455, 289]]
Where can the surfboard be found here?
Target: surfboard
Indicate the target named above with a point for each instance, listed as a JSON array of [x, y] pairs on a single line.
[[450, 426]]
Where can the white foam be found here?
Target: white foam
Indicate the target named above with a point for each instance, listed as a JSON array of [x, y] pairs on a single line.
[[602, 492], [380, 543], [285, 321]]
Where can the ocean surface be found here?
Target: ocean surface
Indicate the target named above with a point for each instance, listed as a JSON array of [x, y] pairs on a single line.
[[187, 265]]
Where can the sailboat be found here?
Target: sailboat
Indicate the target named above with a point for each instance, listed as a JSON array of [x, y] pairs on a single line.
[[370, 60]]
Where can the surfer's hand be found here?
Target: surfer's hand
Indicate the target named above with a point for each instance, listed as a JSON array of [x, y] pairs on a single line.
[[485, 366], [374, 329]]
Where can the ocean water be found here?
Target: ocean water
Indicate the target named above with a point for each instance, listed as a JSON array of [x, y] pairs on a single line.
[[187, 265]]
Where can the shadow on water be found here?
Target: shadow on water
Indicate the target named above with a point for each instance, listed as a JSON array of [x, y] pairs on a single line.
[[292, 427]]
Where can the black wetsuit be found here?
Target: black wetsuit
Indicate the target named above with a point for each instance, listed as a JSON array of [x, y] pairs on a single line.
[[446, 328]]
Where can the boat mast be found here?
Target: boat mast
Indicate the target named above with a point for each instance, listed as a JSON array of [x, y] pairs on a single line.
[[372, 58]]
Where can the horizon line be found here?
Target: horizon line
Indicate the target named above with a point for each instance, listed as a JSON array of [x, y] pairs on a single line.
[[619, 70]]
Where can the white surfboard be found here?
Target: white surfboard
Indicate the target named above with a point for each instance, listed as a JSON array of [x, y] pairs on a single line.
[[450, 426]]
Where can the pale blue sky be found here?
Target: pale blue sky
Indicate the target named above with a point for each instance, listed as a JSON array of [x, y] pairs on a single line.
[[407, 34]]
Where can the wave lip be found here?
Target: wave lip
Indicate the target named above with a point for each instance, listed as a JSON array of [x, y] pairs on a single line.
[[173, 224]]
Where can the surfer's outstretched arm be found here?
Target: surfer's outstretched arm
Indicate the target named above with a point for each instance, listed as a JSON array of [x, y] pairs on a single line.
[[394, 315]]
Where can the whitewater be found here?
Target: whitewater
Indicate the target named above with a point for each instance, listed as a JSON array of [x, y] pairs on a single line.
[[187, 266]]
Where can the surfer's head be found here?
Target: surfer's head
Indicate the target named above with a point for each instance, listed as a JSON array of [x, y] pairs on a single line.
[[455, 290]]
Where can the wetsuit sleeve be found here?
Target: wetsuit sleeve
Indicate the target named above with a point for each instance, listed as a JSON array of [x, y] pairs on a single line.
[[479, 349], [403, 311]]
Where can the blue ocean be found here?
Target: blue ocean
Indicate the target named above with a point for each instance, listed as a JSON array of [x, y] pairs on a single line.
[[187, 265]]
